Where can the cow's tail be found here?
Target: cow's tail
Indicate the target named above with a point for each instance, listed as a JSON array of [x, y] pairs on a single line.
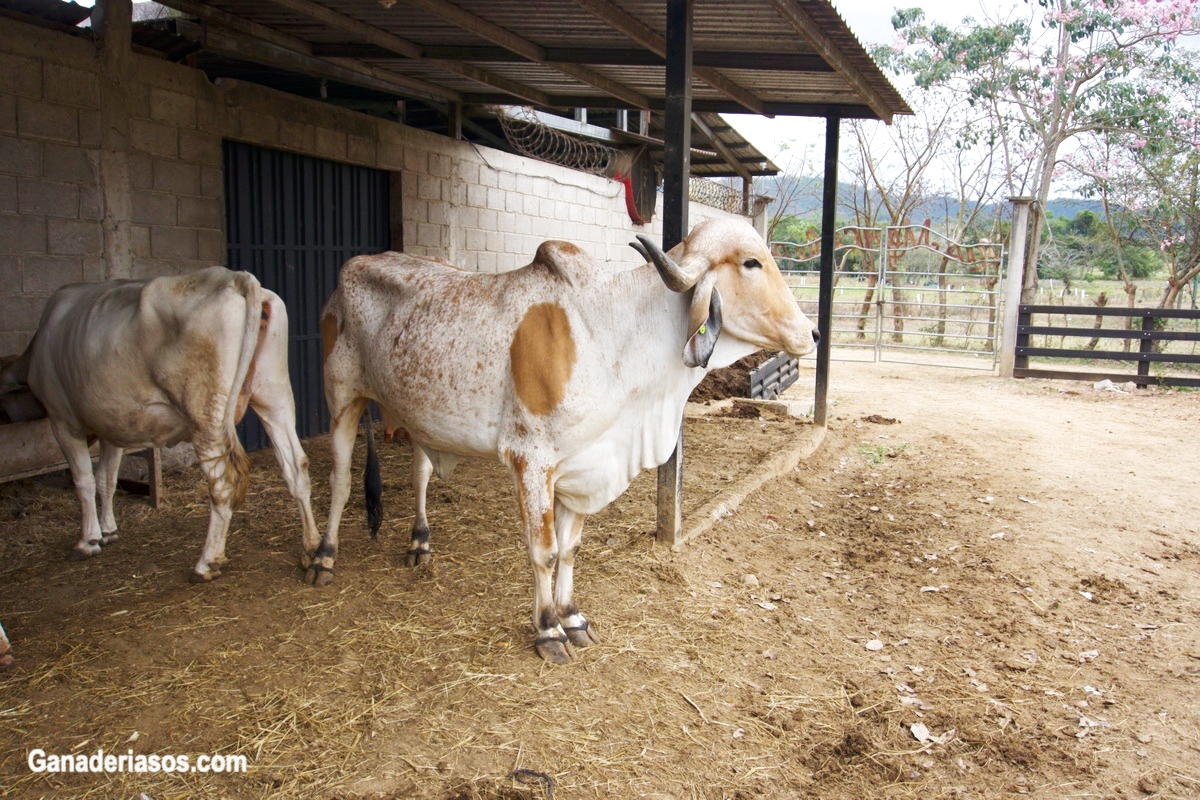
[[372, 485], [236, 462]]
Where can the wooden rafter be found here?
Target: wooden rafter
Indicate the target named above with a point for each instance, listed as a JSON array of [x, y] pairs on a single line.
[[529, 50], [401, 46], [248, 48], [346, 70], [793, 13], [730, 158], [655, 42], [605, 56]]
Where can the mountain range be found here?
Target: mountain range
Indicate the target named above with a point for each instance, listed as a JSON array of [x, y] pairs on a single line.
[[806, 200]]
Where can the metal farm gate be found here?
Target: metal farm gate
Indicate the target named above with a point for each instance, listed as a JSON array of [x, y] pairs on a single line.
[[904, 293], [292, 222]]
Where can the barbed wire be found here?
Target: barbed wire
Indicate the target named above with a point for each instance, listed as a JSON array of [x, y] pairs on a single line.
[[722, 195], [532, 138], [717, 195]]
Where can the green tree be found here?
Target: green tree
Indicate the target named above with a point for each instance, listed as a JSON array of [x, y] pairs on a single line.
[[1048, 74]]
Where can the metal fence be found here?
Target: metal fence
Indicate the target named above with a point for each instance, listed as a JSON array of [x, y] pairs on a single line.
[[904, 293]]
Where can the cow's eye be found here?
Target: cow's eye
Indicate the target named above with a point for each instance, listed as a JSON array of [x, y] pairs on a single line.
[[752, 264]]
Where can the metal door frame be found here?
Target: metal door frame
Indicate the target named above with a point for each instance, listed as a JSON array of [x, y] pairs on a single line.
[[292, 221]]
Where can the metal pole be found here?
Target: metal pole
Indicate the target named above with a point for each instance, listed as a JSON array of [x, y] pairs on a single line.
[[825, 296], [1014, 281], [880, 288], [677, 159]]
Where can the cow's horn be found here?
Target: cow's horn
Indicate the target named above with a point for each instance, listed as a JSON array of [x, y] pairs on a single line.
[[674, 276]]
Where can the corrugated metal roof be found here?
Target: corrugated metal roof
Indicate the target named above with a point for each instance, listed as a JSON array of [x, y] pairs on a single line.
[[778, 57], [56, 11], [849, 81]]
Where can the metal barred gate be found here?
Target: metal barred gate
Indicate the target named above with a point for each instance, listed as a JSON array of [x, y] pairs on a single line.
[[292, 221], [904, 293]]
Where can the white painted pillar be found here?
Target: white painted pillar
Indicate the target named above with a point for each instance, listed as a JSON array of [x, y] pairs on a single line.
[[1013, 283]]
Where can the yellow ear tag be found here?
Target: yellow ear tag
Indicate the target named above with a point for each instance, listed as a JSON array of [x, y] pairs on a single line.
[[703, 330]]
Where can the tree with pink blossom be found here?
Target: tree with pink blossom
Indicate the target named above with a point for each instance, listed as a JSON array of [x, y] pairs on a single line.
[[1050, 73], [1149, 178]]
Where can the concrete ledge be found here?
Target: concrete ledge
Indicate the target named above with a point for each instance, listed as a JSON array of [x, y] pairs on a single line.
[[724, 505]]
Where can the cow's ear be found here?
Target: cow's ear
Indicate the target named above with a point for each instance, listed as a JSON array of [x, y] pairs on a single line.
[[704, 321]]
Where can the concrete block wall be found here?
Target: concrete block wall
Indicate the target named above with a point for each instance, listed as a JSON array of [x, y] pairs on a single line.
[[488, 210], [176, 177], [50, 202], [483, 209]]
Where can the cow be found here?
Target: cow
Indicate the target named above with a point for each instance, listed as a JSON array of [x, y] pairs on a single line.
[[152, 363], [6, 656], [572, 375]]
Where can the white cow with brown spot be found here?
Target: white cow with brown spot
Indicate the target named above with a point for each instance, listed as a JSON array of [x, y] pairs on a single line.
[[568, 373], [153, 363]]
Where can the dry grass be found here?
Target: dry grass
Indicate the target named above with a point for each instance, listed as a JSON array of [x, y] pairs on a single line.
[[398, 683], [389, 680]]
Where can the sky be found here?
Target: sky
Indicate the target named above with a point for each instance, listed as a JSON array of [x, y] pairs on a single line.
[[871, 22]]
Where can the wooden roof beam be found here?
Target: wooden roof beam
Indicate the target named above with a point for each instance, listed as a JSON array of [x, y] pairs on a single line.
[[849, 108], [730, 158], [226, 42], [529, 50], [793, 13], [655, 42], [401, 46], [346, 70], [602, 56]]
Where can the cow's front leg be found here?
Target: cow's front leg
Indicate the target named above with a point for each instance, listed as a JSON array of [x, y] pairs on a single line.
[[341, 443], [422, 468], [569, 531], [79, 460], [106, 480], [535, 497]]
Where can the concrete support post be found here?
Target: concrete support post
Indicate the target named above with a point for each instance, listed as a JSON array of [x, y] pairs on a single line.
[[760, 216], [113, 23], [1013, 282]]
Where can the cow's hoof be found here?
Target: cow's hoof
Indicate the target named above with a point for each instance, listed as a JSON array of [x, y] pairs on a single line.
[[205, 577], [416, 558], [318, 575], [306, 559], [555, 648], [6, 660], [82, 552], [582, 635], [108, 538]]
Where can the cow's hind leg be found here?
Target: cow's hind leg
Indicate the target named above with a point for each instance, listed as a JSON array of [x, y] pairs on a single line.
[[219, 467], [276, 410], [422, 468], [569, 530], [75, 448], [106, 480], [341, 442]]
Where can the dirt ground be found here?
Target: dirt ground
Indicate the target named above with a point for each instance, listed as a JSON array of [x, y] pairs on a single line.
[[975, 588]]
